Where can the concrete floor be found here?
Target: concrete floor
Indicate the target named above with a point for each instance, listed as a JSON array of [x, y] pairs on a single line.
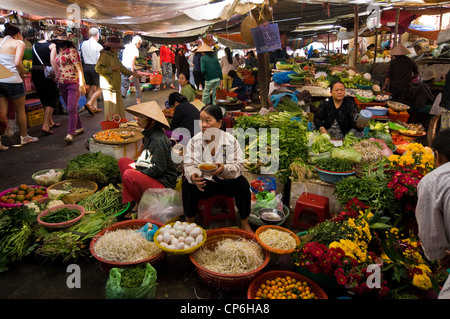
[[35, 278]]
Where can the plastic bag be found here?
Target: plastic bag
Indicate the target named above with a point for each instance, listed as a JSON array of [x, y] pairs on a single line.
[[146, 291], [160, 204], [263, 184], [148, 230], [267, 199]]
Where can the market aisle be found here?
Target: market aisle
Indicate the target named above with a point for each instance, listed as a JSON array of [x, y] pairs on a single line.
[[36, 278], [17, 165]]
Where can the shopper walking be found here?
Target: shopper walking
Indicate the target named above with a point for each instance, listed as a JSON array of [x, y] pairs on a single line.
[[47, 91], [110, 69], [90, 52], [165, 55], [156, 63], [199, 79], [70, 79], [130, 54], [212, 72], [401, 71], [12, 89]]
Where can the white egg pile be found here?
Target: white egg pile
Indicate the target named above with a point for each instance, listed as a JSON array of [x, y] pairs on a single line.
[[180, 236]]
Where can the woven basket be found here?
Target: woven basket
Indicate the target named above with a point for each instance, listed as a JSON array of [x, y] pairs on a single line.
[[106, 265], [76, 183], [257, 282], [227, 281], [397, 106]]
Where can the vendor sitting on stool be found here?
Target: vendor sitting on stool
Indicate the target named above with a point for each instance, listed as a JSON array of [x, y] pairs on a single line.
[[237, 86], [154, 168], [213, 145], [336, 116]]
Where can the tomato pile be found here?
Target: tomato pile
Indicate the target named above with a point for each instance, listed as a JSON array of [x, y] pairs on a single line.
[[23, 194], [284, 288]]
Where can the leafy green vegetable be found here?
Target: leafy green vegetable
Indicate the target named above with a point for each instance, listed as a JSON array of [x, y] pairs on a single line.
[[348, 154], [97, 167], [334, 164], [132, 277], [320, 142]]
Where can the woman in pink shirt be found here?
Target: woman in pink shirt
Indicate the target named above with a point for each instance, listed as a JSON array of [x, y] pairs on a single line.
[[70, 79]]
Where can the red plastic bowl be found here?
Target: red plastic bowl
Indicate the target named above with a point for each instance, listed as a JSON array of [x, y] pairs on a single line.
[[106, 265], [69, 223], [17, 205], [227, 281]]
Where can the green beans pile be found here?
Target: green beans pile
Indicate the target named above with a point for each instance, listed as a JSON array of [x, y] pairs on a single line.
[[107, 201], [60, 216]]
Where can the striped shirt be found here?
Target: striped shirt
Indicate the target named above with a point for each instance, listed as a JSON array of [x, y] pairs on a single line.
[[433, 212], [227, 151]]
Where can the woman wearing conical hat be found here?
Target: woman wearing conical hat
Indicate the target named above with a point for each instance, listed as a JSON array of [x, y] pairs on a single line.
[[110, 69], [154, 168], [402, 70]]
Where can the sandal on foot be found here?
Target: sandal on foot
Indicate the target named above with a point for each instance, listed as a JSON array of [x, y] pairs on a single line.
[[79, 131], [55, 125], [28, 139], [68, 138], [3, 148]]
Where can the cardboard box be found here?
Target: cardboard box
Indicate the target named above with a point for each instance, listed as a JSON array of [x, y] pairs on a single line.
[[130, 150]]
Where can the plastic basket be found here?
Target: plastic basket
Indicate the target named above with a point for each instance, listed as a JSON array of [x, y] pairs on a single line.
[[76, 183], [156, 78], [66, 224], [106, 265], [227, 281], [222, 94], [35, 115], [332, 177], [272, 249], [272, 275], [266, 37], [180, 251], [112, 121], [49, 181], [18, 204]]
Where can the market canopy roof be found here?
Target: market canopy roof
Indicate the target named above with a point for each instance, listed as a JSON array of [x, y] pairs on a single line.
[[177, 20]]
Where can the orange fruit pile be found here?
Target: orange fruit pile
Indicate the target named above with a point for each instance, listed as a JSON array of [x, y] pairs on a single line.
[[284, 288]]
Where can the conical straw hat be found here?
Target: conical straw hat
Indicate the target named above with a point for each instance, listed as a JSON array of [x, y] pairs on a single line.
[[204, 48], [150, 109], [4, 72], [247, 24], [400, 50], [153, 49]]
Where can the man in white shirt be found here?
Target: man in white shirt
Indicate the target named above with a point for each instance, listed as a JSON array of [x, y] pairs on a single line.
[[433, 208], [130, 54], [90, 52]]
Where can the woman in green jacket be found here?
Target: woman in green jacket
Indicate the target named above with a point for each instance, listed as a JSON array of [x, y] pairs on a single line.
[[110, 69]]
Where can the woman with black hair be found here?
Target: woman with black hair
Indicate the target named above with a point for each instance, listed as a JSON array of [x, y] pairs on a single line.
[[12, 89], [185, 114], [228, 63], [214, 145], [181, 63], [70, 79], [336, 115], [237, 86]]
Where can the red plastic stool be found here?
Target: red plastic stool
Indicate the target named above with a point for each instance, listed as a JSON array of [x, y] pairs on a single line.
[[205, 208], [316, 204]]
